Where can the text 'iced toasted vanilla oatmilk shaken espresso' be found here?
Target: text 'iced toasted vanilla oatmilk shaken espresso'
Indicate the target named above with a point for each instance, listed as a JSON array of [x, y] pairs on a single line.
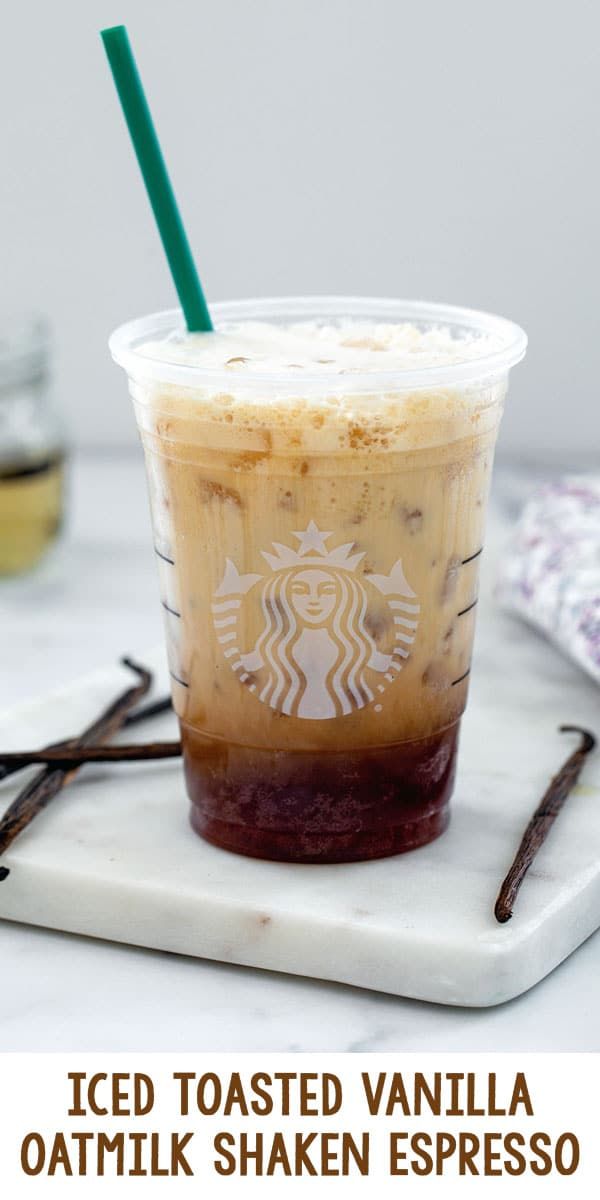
[[318, 474]]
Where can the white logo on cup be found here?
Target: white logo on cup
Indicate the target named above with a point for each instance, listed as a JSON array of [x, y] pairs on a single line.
[[316, 655]]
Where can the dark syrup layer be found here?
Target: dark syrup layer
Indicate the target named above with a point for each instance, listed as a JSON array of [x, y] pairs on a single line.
[[305, 806]]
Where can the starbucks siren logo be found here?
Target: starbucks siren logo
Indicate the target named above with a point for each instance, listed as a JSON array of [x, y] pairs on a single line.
[[316, 655]]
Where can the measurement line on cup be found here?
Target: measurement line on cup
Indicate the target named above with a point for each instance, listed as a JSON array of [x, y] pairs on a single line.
[[178, 679], [460, 678], [165, 557], [172, 611], [468, 608], [472, 557]]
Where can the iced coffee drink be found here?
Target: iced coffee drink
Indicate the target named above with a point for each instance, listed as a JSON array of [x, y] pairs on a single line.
[[318, 476]]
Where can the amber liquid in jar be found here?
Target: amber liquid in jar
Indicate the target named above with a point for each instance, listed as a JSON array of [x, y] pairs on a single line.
[[31, 505]]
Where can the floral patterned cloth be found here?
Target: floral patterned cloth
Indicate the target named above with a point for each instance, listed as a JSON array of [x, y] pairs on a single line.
[[551, 575]]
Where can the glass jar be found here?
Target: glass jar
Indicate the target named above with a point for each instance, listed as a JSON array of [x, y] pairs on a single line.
[[32, 447]]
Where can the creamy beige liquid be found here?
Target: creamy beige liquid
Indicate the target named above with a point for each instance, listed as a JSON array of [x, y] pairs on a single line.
[[357, 629]]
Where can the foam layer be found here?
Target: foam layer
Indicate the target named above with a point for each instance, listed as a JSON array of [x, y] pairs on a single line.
[[314, 387], [262, 348]]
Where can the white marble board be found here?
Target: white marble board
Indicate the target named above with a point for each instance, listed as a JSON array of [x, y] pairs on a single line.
[[113, 857]]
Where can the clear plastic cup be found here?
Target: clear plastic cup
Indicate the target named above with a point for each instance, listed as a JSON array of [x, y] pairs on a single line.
[[318, 543]]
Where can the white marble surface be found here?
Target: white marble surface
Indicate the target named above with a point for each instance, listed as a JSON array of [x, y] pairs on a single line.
[[103, 581], [420, 926]]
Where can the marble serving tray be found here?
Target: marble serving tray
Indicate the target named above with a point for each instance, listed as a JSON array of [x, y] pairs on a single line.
[[113, 856]]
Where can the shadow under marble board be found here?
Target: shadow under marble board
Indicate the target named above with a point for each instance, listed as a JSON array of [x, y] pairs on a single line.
[[114, 857]]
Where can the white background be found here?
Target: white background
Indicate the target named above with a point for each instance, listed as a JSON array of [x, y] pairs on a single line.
[[446, 151], [36, 1096]]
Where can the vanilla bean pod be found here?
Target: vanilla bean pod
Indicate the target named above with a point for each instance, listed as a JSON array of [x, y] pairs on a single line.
[[76, 756], [154, 709], [48, 782], [542, 820]]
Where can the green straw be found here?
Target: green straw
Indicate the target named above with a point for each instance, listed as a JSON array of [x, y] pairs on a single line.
[[156, 178]]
